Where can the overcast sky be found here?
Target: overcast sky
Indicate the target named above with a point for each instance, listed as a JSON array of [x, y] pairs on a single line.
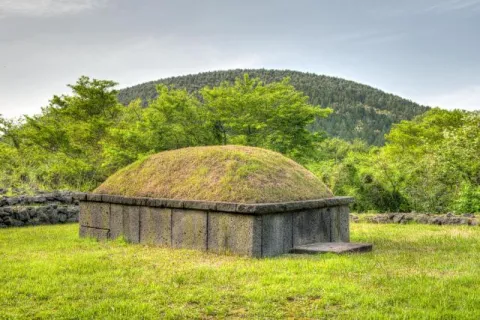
[[426, 51]]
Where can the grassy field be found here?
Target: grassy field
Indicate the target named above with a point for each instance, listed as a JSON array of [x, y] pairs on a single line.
[[415, 271]]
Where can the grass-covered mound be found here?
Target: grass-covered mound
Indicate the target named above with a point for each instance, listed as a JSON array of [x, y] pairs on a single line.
[[217, 173]]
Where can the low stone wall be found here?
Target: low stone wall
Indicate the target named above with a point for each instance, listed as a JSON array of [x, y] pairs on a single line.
[[257, 230], [51, 208], [422, 218]]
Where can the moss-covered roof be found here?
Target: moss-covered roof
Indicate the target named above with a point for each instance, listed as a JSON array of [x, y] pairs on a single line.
[[217, 173]]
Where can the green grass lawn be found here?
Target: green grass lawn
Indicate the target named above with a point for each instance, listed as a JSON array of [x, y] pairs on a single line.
[[415, 271]]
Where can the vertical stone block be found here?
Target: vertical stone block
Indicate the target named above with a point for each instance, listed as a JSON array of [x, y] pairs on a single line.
[[100, 215], [155, 226], [85, 215], [234, 233], [189, 229], [326, 222], [99, 234], [335, 224], [131, 223], [277, 237], [116, 221], [85, 232], [344, 223], [257, 237], [311, 226]]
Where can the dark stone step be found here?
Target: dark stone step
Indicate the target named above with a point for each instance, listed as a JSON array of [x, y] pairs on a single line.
[[333, 247]]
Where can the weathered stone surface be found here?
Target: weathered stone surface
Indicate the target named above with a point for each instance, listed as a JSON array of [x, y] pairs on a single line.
[[246, 208], [156, 226], [276, 234], [295, 206], [335, 224], [315, 204], [173, 203], [311, 226], [22, 215], [94, 197], [38, 199], [147, 226], [234, 233], [354, 218], [12, 201], [52, 215], [189, 229], [423, 218], [62, 217], [344, 221], [116, 221], [398, 218], [81, 196], [226, 206], [270, 208], [131, 223], [99, 234], [332, 247], [249, 208], [84, 232], [32, 222], [9, 221], [111, 199], [151, 202], [159, 203], [127, 201], [199, 205], [85, 217], [140, 201], [258, 230], [100, 215]]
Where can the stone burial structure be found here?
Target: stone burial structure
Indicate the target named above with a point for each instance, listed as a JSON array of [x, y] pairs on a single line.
[[223, 199]]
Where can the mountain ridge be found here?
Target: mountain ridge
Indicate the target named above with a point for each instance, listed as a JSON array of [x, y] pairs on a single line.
[[360, 111]]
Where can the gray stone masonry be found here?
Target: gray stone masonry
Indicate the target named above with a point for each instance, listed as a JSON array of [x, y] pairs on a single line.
[[466, 219], [255, 230], [45, 208], [333, 247]]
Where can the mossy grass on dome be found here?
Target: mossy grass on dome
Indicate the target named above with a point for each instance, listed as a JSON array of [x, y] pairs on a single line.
[[217, 173]]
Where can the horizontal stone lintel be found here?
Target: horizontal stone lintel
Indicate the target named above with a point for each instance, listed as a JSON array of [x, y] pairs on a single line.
[[244, 208]]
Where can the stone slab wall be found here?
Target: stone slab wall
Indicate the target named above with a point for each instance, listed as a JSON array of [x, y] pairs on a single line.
[[467, 219], [52, 208], [257, 230]]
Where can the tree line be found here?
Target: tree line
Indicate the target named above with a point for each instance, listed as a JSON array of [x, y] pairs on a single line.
[[360, 111], [80, 139], [428, 164]]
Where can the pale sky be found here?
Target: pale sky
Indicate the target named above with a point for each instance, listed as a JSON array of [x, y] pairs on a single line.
[[427, 51]]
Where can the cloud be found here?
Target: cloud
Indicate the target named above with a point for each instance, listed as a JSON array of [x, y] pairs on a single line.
[[47, 7], [467, 98], [454, 5]]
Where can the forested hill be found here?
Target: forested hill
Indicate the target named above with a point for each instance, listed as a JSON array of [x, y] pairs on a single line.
[[360, 110]]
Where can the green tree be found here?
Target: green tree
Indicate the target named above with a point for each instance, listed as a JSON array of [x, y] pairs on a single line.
[[174, 119], [61, 147], [361, 112], [273, 116], [81, 138]]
